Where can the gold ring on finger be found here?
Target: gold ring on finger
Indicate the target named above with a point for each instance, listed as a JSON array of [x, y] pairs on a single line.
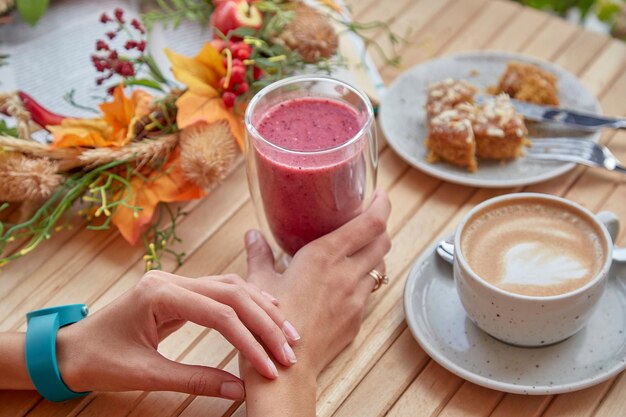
[[378, 278]]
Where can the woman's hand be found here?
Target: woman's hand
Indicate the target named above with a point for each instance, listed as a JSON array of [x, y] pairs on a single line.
[[116, 348], [326, 286]]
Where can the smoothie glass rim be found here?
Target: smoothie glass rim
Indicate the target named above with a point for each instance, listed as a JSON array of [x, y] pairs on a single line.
[[308, 78]]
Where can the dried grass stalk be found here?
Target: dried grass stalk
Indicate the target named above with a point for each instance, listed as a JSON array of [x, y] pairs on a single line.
[[207, 150], [68, 158], [24, 178], [12, 105], [36, 149], [148, 150]]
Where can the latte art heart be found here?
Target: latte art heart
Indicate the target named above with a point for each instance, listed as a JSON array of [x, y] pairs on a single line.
[[533, 247], [531, 263]]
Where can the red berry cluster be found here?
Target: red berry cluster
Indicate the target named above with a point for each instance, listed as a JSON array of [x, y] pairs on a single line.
[[235, 82], [107, 60]]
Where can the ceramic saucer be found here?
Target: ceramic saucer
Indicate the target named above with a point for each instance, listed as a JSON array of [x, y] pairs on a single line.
[[437, 320]]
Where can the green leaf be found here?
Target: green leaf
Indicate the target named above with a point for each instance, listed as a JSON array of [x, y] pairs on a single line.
[[154, 69], [584, 6], [32, 10], [143, 82], [6, 130], [607, 11], [242, 32], [172, 12], [267, 6]]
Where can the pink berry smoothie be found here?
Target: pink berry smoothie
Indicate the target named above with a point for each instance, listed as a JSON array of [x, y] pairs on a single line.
[[316, 185]]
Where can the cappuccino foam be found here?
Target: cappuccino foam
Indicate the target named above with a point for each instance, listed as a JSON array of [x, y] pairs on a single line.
[[533, 247]]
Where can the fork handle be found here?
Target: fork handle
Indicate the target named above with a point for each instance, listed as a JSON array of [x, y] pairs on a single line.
[[620, 168]]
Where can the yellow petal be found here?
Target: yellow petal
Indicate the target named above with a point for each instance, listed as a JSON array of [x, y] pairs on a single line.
[[142, 101], [122, 111], [211, 58], [91, 133], [193, 108], [118, 113], [200, 78], [331, 4]]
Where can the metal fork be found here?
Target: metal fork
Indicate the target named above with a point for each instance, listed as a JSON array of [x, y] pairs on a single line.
[[580, 151]]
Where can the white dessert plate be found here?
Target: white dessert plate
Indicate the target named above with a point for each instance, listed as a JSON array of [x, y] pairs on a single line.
[[437, 320], [403, 118]]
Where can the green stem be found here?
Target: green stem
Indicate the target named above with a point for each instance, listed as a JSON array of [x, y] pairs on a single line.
[[46, 217]]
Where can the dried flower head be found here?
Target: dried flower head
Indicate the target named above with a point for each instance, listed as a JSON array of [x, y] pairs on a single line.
[[310, 34], [207, 150], [25, 178]]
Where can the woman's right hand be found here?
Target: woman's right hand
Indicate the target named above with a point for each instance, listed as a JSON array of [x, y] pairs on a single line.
[[325, 288]]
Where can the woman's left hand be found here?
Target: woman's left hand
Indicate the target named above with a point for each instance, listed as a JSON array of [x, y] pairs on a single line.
[[116, 348]]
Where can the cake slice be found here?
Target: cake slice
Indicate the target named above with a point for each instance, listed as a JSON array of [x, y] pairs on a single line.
[[528, 82], [447, 94], [499, 131], [461, 132], [451, 138]]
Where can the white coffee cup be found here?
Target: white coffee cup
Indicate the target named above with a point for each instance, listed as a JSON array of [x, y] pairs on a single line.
[[531, 320]]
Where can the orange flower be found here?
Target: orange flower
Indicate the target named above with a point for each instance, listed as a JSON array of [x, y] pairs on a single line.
[[113, 129], [202, 101], [166, 185], [122, 113]]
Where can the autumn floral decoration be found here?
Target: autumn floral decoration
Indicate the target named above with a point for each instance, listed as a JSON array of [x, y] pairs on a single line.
[[144, 150]]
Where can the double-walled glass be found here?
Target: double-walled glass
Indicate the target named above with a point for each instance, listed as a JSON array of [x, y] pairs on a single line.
[[300, 193]]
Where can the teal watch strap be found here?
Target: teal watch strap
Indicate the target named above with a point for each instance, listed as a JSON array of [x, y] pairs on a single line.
[[41, 352]]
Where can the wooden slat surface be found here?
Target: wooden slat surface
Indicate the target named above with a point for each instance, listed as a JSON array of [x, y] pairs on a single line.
[[384, 372]]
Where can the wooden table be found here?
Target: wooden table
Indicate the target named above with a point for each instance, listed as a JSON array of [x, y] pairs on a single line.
[[384, 371]]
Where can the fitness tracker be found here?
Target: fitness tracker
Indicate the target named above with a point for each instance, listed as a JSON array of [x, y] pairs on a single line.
[[41, 352]]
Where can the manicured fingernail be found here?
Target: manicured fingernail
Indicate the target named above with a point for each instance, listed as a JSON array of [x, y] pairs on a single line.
[[232, 389], [291, 356], [270, 297], [272, 367], [251, 237], [290, 331]]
